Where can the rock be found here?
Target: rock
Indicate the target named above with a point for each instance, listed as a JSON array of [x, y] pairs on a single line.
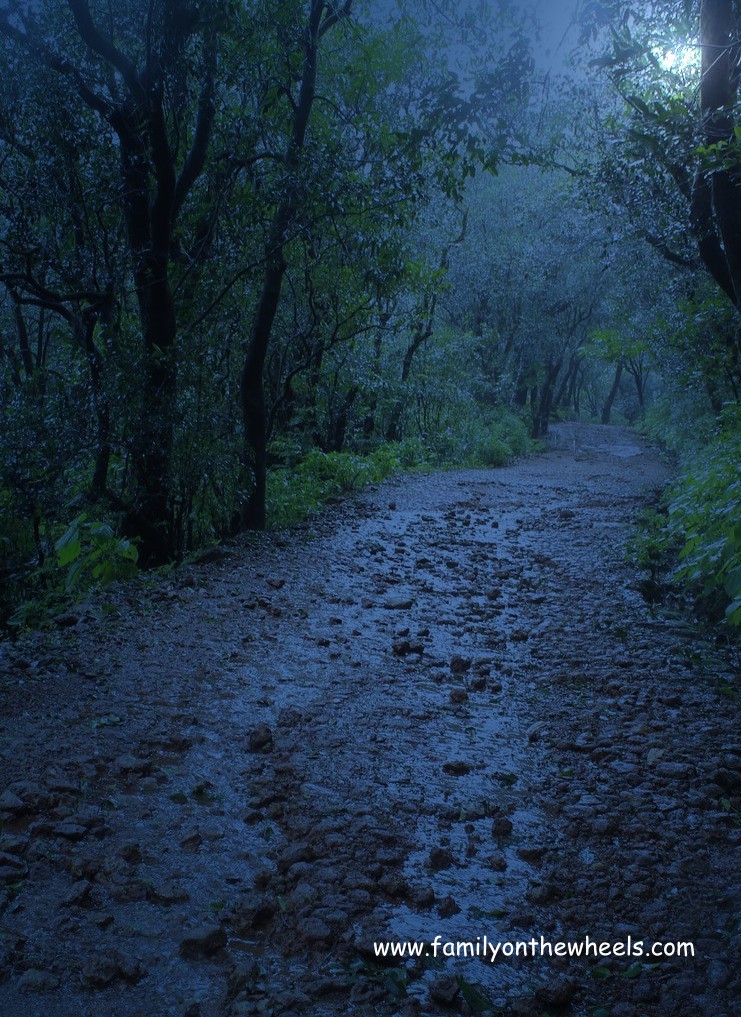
[[727, 780], [459, 665], [444, 989], [540, 893], [557, 995], [422, 896], [131, 853], [129, 763], [440, 857], [674, 771], [12, 868], [448, 907], [530, 853], [168, 893], [501, 827], [313, 930], [203, 942], [497, 862], [533, 732], [260, 739], [34, 980], [457, 767], [100, 972], [393, 885], [66, 620], [295, 853], [403, 647], [458, 696], [78, 894], [398, 603], [70, 831], [13, 845], [249, 917], [10, 802]]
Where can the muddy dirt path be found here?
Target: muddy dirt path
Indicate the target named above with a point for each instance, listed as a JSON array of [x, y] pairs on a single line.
[[443, 711]]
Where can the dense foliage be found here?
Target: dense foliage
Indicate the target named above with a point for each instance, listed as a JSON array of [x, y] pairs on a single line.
[[256, 254]]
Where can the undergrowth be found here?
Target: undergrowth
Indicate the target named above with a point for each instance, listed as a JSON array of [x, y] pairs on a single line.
[[697, 536]]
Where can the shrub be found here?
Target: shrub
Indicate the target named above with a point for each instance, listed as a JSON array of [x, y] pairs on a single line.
[[704, 519]]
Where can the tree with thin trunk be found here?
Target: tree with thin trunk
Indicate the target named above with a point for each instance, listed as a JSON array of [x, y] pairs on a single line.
[[321, 18]]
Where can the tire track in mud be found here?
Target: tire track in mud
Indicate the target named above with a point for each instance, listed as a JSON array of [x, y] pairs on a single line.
[[447, 713]]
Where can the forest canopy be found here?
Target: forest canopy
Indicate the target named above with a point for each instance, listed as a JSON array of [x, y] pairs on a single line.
[[255, 253]]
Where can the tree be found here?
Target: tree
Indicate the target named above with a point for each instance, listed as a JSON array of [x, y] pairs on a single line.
[[149, 76]]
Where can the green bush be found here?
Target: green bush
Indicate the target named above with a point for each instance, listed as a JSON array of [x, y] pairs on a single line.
[[705, 513], [87, 556], [296, 492], [501, 440], [704, 521], [90, 554], [493, 451]]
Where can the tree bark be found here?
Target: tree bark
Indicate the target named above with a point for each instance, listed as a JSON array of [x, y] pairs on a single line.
[[715, 207], [607, 408]]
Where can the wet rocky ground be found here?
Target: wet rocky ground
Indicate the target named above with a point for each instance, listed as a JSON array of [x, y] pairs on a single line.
[[445, 710]]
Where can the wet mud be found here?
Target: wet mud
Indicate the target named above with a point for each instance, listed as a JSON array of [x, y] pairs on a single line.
[[443, 710]]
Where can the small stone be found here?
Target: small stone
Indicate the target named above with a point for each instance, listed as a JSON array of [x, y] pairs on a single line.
[[247, 918], [131, 853], [531, 854], [444, 989], [260, 739], [497, 862], [100, 972], [168, 893], [448, 907], [458, 696], [313, 930], [34, 980], [540, 893], [398, 603], [12, 868], [459, 665], [393, 885], [440, 858], [66, 619], [203, 942], [457, 767], [501, 827], [10, 802], [70, 831], [78, 894], [129, 763], [559, 994], [422, 896], [403, 647]]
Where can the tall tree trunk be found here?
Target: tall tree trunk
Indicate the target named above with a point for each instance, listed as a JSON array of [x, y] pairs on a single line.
[[149, 228], [542, 408], [252, 395], [715, 206], [607, 408]]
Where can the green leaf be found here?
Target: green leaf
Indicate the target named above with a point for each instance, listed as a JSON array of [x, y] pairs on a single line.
[[68, 552]]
